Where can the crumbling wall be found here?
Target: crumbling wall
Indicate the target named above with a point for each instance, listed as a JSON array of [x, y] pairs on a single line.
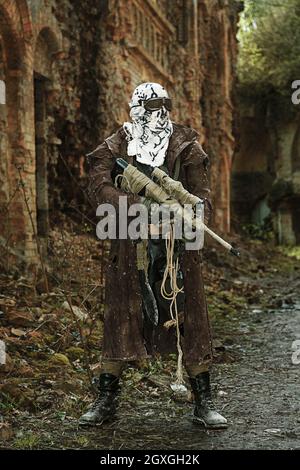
[[253, 170], [73, 68], [218, 52], [16, 144], [266, 176], [189, 47], [74, 102]]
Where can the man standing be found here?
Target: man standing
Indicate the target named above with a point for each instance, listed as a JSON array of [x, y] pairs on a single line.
[[152, 140]]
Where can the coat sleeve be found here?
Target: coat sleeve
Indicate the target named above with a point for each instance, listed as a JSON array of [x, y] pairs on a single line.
[[100, 186], [196, 165]]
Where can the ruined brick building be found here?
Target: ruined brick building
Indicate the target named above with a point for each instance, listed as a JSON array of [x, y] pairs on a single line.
[[69, 67], [266, 168]]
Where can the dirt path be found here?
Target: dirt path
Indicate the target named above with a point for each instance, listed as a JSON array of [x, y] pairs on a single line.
[[257, 390]]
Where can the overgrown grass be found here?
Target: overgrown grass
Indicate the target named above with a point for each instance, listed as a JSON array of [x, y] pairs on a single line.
[[27, 441], [293, 251]]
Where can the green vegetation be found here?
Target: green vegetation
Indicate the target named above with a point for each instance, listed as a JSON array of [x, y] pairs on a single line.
[[262, 231], [293, 251], [269, 37], [27, 441]]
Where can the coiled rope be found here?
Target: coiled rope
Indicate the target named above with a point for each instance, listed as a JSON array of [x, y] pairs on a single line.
[[133, 181], [171, 271]]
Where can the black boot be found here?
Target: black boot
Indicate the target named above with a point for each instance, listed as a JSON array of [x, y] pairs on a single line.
[[205, 411], [105, 405]]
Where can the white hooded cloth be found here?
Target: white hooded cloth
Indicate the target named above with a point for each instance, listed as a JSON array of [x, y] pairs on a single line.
[[149, 132]]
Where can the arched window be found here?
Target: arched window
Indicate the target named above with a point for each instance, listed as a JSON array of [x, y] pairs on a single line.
[[182, 24]]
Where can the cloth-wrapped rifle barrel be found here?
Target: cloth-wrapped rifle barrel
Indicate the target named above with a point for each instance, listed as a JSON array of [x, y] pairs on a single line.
[[163, 190]]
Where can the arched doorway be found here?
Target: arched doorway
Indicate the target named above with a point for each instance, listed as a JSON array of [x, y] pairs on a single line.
[[295, 206], [11, 216], [260, 211], [3, 127], [46, 47]]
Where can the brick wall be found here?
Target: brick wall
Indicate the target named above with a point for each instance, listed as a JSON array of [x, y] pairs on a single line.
[[69, 74]]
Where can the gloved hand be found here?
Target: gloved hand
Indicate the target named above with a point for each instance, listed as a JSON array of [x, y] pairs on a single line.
[[199, 210], [161, 215], [168, 210]]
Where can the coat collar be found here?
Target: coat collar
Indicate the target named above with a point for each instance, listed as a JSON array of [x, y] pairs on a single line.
[[181, 137]]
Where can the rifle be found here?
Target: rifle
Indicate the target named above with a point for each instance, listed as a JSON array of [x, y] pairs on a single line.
[[161, 188]]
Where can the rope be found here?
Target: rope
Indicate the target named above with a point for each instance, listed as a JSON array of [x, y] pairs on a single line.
[[174, 188], [124, 183], [141, 256], [132, 180], [171, 271]]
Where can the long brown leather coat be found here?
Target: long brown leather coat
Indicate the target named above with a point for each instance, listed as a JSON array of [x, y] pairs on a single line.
[[124, 334]]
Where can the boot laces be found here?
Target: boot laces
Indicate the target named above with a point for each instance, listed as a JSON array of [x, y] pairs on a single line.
[[207, 401], [210, 404], [100, 401]]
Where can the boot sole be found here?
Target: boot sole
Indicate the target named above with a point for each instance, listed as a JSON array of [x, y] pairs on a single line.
[[201, 422], [97, 423]]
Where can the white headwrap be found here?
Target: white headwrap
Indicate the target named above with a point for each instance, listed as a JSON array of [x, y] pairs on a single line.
[[149, 133]]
